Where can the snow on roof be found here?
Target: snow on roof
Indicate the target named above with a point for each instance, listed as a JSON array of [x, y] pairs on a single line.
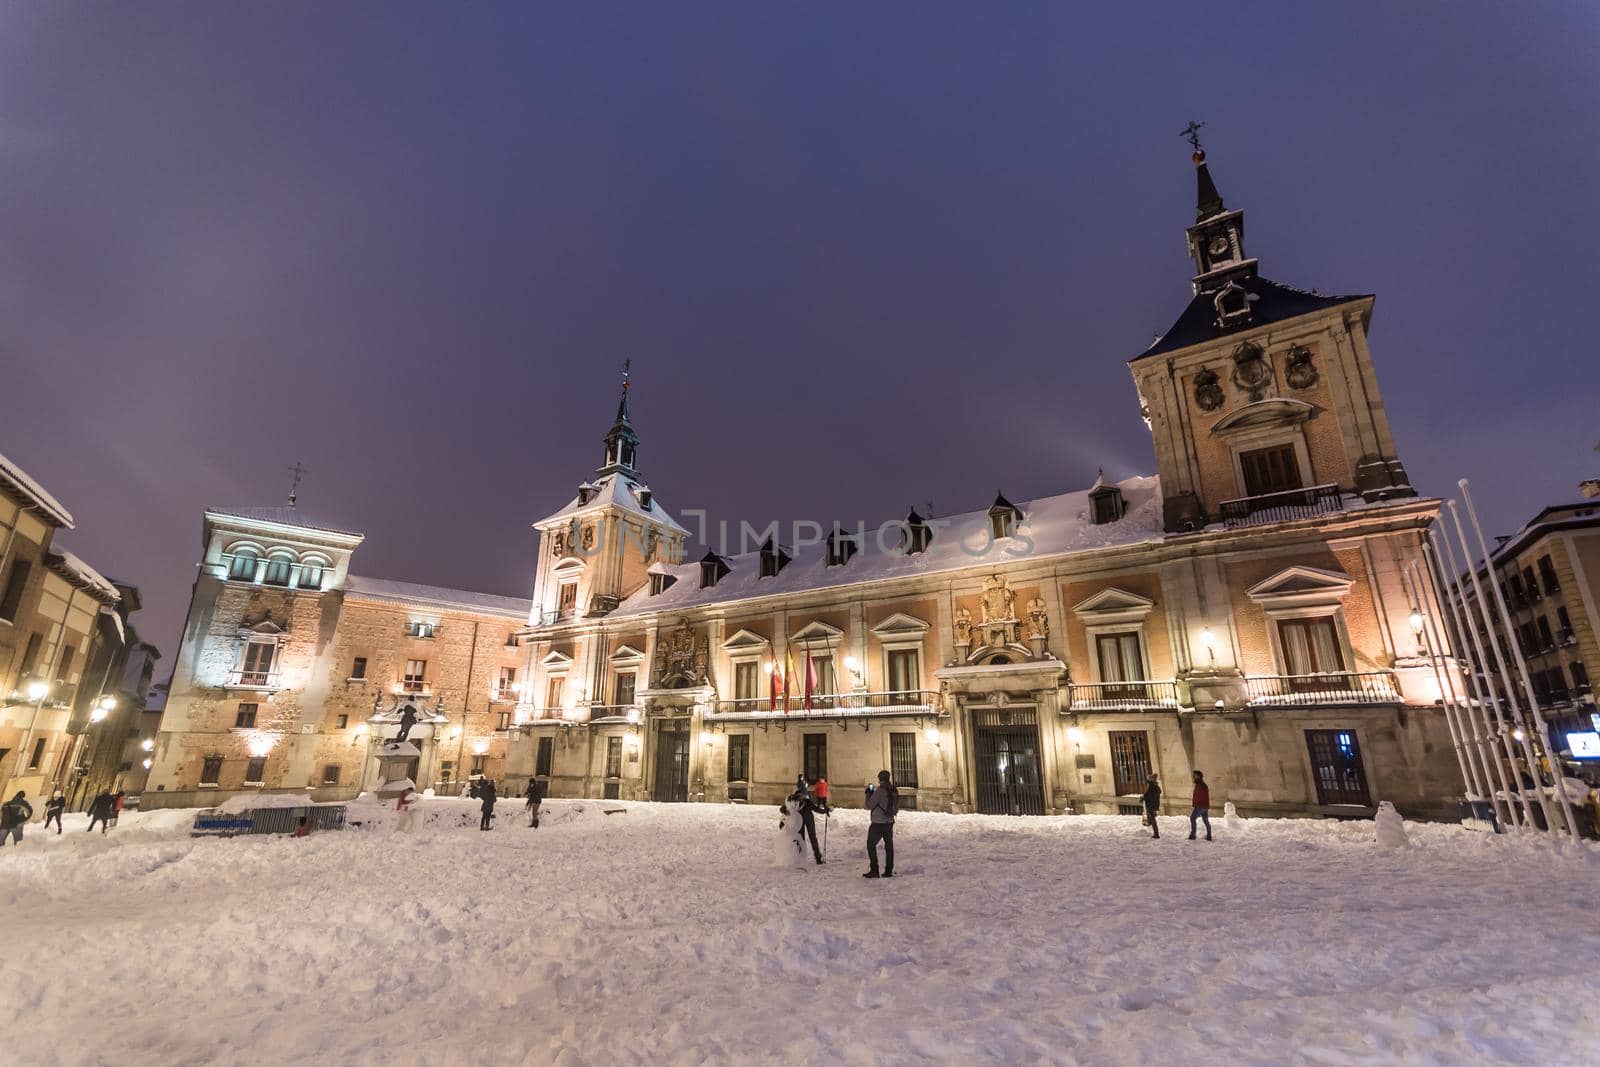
[[283, 515], [1056, 525], [86, 575], [618, 491], [17, 478], [1270, 302], [411, 594]]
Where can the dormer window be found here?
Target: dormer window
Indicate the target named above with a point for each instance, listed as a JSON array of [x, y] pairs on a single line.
[[660, 583], [713, 568], [773, 558], [918, 534], [1003, 517], [1233, 306], [643, 495], [586, 492], [1106, 503], [424, 630], [841, 546]]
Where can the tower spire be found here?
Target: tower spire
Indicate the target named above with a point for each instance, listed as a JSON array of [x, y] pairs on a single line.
[[1216, 240], [621, 441]]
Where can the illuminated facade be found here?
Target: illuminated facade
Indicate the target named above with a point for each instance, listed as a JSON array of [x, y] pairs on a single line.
[[1245, 613]]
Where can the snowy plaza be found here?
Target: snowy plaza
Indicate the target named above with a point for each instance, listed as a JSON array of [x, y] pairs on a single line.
[[671, 934]]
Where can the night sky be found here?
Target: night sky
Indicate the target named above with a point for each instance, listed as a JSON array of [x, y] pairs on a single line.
[[862, 256]]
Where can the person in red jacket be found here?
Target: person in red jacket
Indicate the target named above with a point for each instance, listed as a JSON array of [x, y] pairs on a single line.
[[1200, 806]]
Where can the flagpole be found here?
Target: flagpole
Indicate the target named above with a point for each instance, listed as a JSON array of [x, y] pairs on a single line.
[[1447, 691], [1556, 770]]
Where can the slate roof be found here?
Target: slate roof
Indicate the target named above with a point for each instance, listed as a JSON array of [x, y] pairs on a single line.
[[1270, 302], [621, 491], [410, 594]]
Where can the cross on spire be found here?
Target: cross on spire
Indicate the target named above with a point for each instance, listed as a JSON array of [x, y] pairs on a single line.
[[299, 471], [627, 367], [1191, 133]]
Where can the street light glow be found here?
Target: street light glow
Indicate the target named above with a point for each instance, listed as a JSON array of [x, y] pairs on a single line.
[[38, 690]]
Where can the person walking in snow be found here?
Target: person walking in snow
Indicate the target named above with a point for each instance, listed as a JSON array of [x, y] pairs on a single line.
[[53, 809], [883, 804], [805, 807], [1200, 810], [117, 800], [487, 806], [14, 815], [535, 798], [100, 812], [1152, 805]]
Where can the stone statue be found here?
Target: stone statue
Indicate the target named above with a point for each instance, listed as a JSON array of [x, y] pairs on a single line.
[[998, 600], [1038, 619], [408, 719], [963, 626]]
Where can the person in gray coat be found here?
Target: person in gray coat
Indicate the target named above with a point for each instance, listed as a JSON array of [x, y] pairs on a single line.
[[883, 804]]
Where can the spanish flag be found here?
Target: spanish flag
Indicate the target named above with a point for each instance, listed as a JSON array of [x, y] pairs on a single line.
[[788, 672]]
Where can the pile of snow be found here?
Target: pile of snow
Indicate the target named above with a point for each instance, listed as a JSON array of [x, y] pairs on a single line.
[[242, 802], [1391, 827], [668, 935]]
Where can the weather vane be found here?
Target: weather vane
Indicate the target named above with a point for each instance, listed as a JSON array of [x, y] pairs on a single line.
[[299, 471], [1191, 132], [627, 366]]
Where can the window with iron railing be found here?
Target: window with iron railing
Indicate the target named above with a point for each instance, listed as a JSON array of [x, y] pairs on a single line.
[[211, 770], [903, 759], [1547, 575], [415, 678], [738, 757], [255, 771]]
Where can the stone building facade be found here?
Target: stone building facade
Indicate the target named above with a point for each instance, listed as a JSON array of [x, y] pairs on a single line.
[[1244, 612]]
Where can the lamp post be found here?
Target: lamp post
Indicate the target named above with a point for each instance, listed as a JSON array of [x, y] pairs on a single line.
[[37, 690]]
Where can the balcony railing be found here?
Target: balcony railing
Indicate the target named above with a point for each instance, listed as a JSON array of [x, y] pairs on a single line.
[[1343, 687], [550, 618], [1125, 696], [1282, 507], [253, 679], [825, 705]]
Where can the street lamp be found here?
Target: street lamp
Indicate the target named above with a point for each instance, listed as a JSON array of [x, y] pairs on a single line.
[[38, 689]]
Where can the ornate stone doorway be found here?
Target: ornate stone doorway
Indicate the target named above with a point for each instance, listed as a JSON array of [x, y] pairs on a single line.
[[1006, 750], [671, 784]]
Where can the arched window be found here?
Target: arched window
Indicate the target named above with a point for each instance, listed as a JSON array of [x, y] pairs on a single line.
[[279, 568], [243, 566], [310, 573]]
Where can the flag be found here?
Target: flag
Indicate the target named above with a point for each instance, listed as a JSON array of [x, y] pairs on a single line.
[[772, 687], [788, 672], [811, 679]]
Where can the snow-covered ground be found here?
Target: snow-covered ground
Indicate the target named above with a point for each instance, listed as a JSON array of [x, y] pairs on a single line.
[[668, 935]]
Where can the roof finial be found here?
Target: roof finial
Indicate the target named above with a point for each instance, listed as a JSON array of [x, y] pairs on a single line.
[[627, 367], [299, 471], [1191, 133]]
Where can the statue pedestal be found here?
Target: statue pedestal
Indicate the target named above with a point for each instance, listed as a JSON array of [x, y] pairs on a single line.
[[396, 760]]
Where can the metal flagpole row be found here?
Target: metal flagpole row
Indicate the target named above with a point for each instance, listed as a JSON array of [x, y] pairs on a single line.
[[1557, 772], [1478, 707], [1420, 628], [1509, 694]]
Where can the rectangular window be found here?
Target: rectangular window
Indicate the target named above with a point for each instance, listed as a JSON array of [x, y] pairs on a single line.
[[1119, 658], [903, 759], [1563, 626], [623, 689], [827, 683], [544, 757], [502, 720], [447, 771], [1547, 575], [16, 582], [1310, 646], [245, 717], [905, 671], [341, 722], [567, 597], [211, 770], [416, 675], [816, 756], [554, 690], [255, 771], [358, 667], [1270, 470], [38, 754], [258, 657], [478, 763], [330, 774], [30, 655], [1130, 761], [1580, 676], [1547, 640], [746, 680], [64, 669], [1336, 767], [508, 683], [1531, 585], [738, 757], [613, 757]]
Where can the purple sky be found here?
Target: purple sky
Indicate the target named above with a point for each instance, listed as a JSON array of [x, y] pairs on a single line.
[[860, 257]]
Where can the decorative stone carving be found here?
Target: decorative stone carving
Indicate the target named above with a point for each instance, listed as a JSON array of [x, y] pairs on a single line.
[[682, 659], [588, 537], [1038, 619], [963, 627], [1298, 369], [652, 543], [1251, 371], [1207, 390], [999, 624]]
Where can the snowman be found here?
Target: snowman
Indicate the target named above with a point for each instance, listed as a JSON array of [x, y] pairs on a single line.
[[1230, 817], [790, 843], [1391, 827]]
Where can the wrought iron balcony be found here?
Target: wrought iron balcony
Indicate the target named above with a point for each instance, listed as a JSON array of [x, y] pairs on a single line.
[[555, 615], [1342, 687], [830, 705], [252, 680], [1125, 696], [1282, 507], [615, 712]]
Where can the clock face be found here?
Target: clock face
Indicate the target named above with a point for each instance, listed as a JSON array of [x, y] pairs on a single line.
[[1219, 245]]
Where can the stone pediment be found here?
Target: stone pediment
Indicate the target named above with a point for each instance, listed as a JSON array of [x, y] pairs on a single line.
[[1274, 411], [900, 625], [745, 641], [554, 658], [1112, 606], [627, 654], [817, 633], [1301, 585]]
